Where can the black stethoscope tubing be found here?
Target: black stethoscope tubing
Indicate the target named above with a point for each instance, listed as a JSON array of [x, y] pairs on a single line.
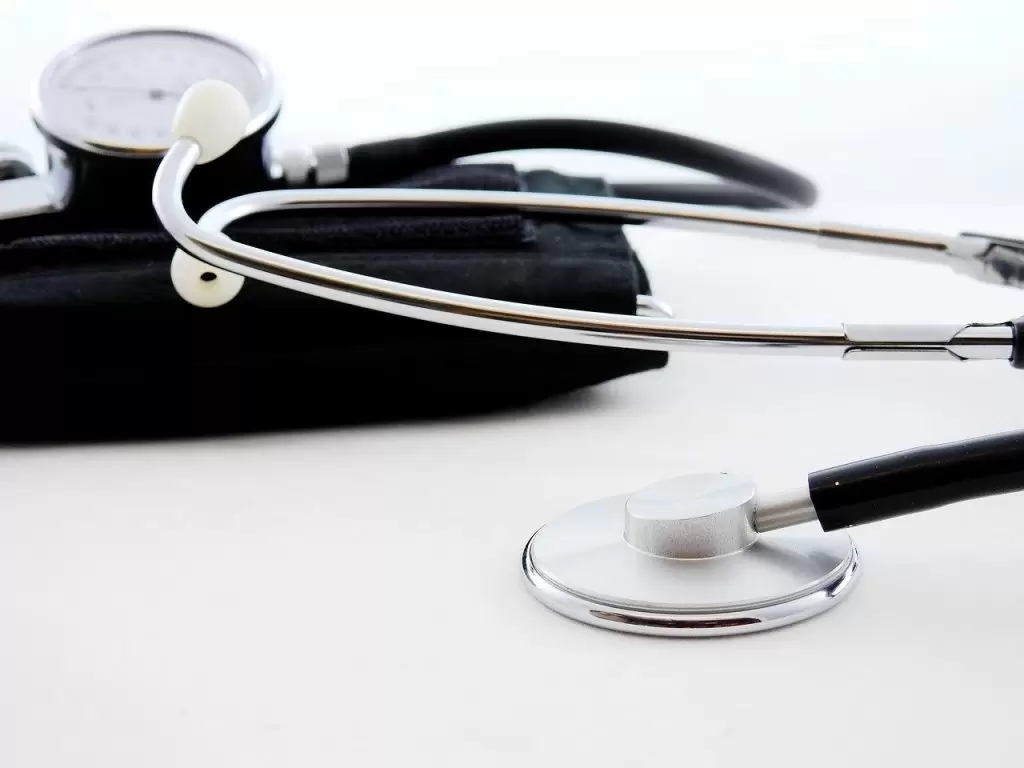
[[747, 181]]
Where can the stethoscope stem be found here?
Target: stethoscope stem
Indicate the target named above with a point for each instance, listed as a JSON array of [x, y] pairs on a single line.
[[899, 483]]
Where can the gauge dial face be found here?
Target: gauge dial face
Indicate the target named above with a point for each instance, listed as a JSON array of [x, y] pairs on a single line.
[[118, 95]]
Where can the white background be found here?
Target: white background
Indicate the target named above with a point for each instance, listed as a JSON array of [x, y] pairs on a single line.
[[352, 597]]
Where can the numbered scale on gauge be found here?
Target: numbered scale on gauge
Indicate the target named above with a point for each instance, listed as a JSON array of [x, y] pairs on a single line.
[[116, 95]]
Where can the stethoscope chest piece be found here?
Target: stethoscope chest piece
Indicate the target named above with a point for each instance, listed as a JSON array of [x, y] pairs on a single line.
[[683, 558]]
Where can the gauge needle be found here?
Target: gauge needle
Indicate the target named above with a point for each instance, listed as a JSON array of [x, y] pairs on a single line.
[[156, 94]]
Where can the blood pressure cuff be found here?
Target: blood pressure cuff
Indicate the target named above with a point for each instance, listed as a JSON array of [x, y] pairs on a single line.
[[97, 344]]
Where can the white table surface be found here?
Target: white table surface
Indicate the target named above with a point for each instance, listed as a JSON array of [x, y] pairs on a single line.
[[353, 596]]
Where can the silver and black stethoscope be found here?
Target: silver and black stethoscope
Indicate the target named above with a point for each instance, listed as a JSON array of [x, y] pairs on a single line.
[[694, 556], [687, 556]]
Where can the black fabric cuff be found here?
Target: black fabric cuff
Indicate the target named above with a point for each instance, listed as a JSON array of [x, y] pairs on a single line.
[[97, 344]]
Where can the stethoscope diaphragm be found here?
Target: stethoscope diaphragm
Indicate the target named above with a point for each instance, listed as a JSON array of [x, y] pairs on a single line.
[[682, 558]]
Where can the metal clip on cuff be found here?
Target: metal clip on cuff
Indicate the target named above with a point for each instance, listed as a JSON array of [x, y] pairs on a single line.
[[206, 127]]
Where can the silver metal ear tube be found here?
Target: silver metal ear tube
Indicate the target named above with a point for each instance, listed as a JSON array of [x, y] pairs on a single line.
[[978, 256]]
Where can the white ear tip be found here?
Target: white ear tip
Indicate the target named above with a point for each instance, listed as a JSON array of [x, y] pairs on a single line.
[[202, 285], [214, 115]]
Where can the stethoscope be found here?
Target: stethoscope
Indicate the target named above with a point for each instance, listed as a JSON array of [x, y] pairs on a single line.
[[684, 557], [698, 555]]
